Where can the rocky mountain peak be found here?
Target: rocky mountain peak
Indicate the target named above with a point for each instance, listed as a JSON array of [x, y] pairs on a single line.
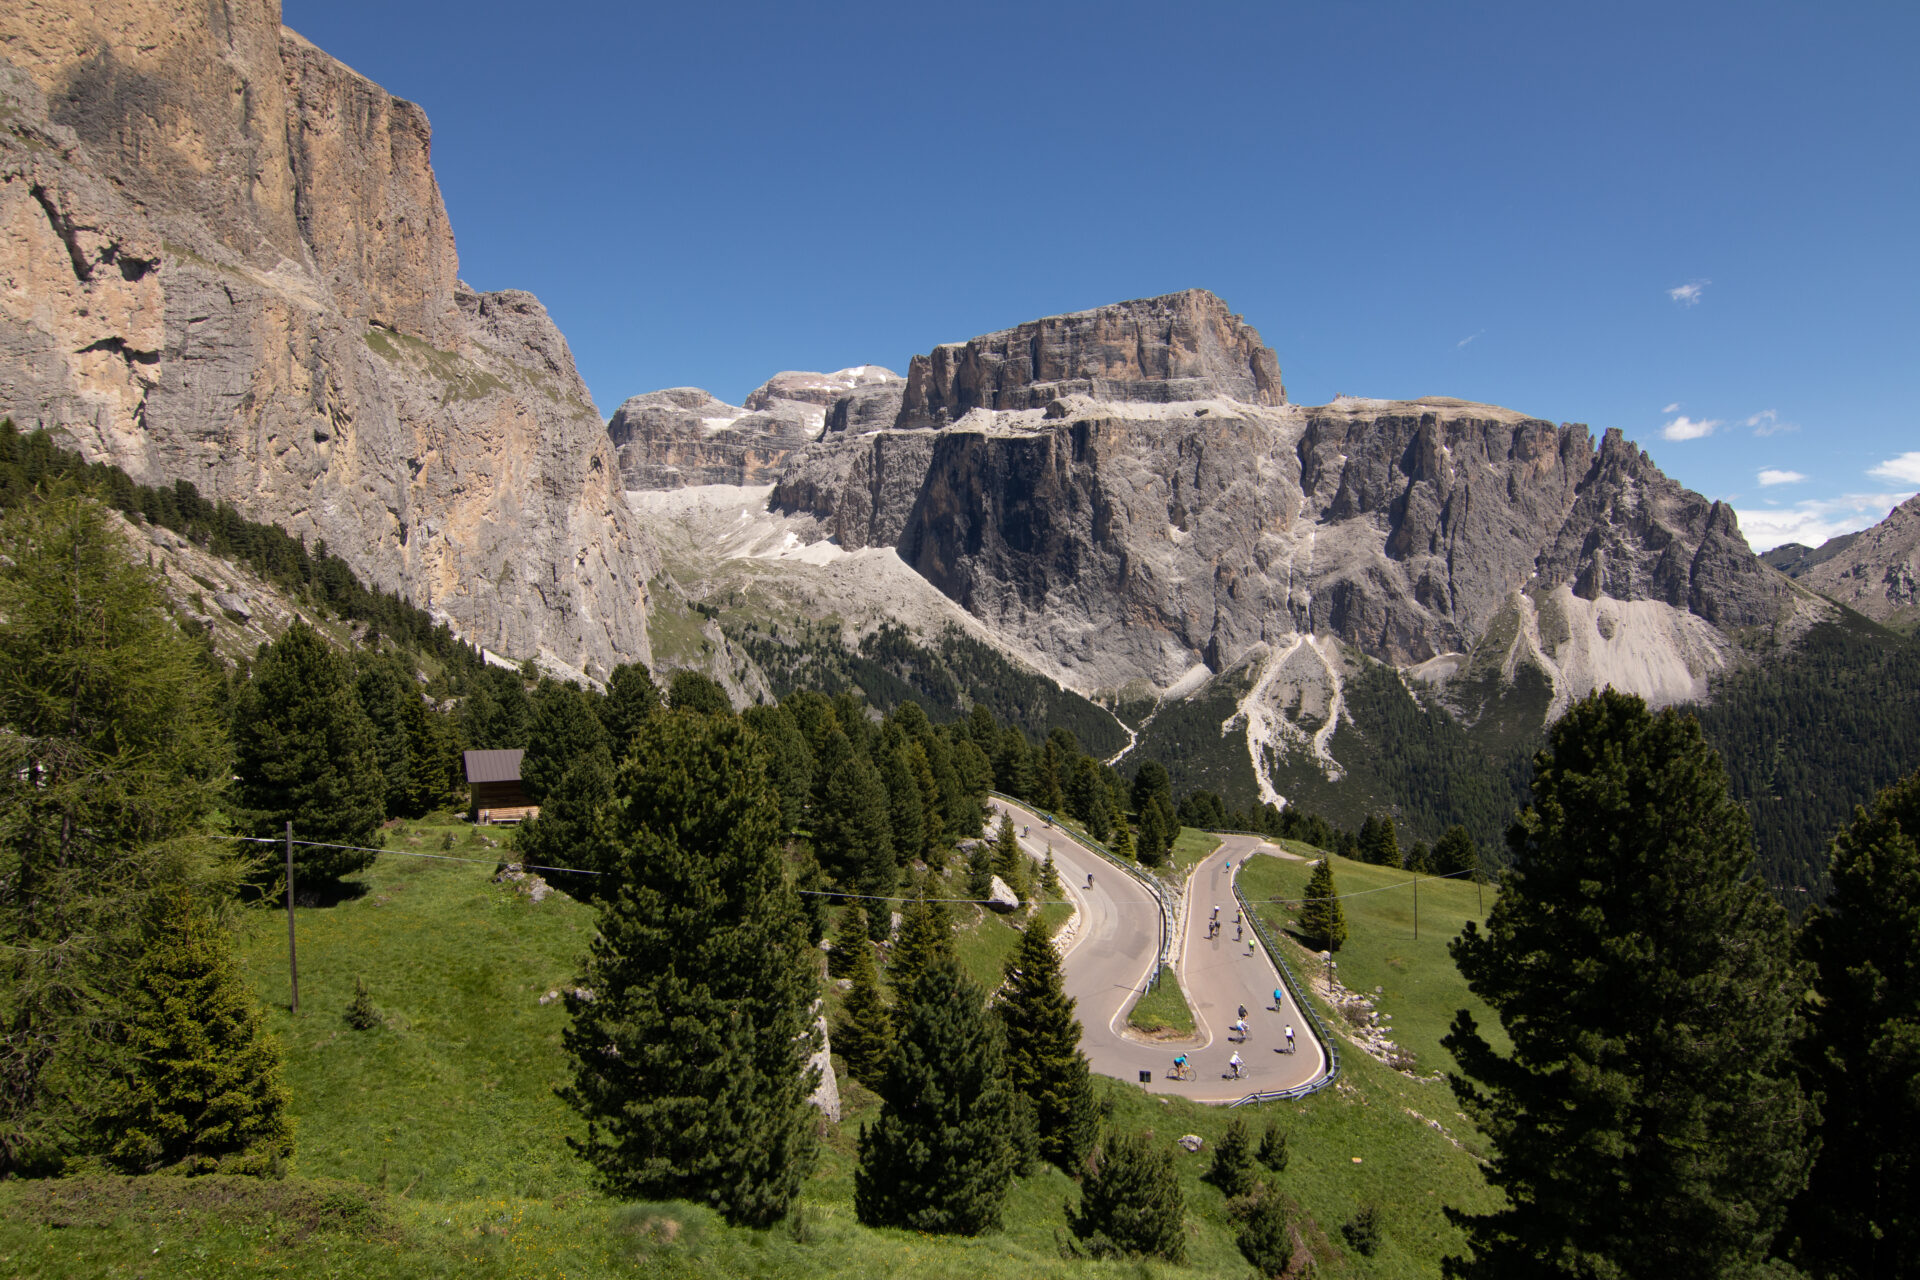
[[1876, 571], [817, 388], [1177, 347]]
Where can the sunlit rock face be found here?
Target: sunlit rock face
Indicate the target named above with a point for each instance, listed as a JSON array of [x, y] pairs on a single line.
[[224, 259]]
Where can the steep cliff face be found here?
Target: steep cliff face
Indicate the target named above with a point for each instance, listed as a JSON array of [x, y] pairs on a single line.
[[1133, 537], [1876, 571], [686, 436], [1184, 346], [224, 258]]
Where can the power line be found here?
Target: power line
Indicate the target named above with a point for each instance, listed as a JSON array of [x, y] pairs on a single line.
[[413, 853], [1361, 893]]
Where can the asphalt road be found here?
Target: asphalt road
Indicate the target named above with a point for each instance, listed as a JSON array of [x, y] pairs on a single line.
[[1114, 951]]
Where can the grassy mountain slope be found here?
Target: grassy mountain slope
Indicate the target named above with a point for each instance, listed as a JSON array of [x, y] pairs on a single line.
[[448, 1106]]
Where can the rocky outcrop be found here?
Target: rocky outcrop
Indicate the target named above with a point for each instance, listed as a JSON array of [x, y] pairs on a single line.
[[686, 436], [1184, 346], [224, 259], [1875, 571], [1131, 538]]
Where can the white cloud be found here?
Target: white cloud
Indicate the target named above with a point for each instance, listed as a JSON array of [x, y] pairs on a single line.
[[1672, 408], [1905, 468], [1769, 475], [1814, 521], [1767, 423], [1688, 294], [1469, 338], [1685, 428]]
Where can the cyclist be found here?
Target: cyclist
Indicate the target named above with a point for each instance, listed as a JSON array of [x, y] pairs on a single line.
[[1243, 1014], [1233, 1064], [1089, 879], [1241, 1027], [1276, 1000], [1289, 1037], [1216, 912], [1180, 1066]]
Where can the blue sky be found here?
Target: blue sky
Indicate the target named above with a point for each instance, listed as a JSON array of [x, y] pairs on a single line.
[[1696, 223]]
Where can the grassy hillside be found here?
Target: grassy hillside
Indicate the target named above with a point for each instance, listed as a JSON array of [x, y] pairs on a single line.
[[432, 1146], [1418, 983]]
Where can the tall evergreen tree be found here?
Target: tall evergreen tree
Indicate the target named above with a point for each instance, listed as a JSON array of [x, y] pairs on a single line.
[[1233, 1169], [789, 761], [205, 1093], [632, 699], [1131, 1202], [1379, 842], [906, 819], [1455, 853], [1266, 1238], [980, 870], [495, 713], [1009, 861], [864, 1035], [694, 691], [939, 1158], [1044, 1062], [304, 751], [690, 1061], [1153, 842], [565, 725], [575, 827], [1859, 1216], [853, 836], [1322, 922], [413, 758], [1150, 780], [113, 756], [926, 934], [932, 824], [1646, 1122]]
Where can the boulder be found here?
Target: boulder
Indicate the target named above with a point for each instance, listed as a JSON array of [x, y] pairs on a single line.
[[1193, 1142], [1001, 897]]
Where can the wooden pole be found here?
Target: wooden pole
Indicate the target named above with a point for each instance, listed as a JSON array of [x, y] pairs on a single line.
[[293, 966]]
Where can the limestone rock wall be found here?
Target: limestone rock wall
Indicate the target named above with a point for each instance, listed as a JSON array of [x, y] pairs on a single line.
[[1876, 571], [224, 259], [1184, 346]]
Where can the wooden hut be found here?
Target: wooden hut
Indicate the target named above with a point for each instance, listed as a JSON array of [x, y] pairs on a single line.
[[493, 778]]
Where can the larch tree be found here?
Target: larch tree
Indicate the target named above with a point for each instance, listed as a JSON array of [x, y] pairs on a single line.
[[305, 752], [113, 758], [1859, 1216], [1647, 1121], [1044, 1061], [691, 1056]]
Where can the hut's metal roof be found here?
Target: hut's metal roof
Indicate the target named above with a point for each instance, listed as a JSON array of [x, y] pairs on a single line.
[[493, 766]]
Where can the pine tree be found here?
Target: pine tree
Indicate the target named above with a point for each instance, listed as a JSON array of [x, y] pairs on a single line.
[[1419, 858], [1153, 842], [1009, 861], [1233, 1169], [404, 742], [495, 714], [1379, 842], [906, 817], [864, 1035], [1266, 1238], [565, 726], [853, 926], [1322, 922], [1859, 1216], [1455, 852], [690, 1061], [113, 757], [1647, 1121], [361, 1015], [789, 761], [632, 699], [938, 1158], [694, 691], [304, 751], [852, 834], [575, 827], [1120, 840], [1044, 1062], [926, 934], [206, 1095], [1050, 877], [1150, 780], [932, 825], [1131, 1202], [1273, 1149], [979, 870]]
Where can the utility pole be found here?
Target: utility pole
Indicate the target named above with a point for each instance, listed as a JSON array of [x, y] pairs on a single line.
[[1416, 908], [293, 967]]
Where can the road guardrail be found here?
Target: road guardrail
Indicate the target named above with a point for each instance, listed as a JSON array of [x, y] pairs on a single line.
[[1312, 1015]]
